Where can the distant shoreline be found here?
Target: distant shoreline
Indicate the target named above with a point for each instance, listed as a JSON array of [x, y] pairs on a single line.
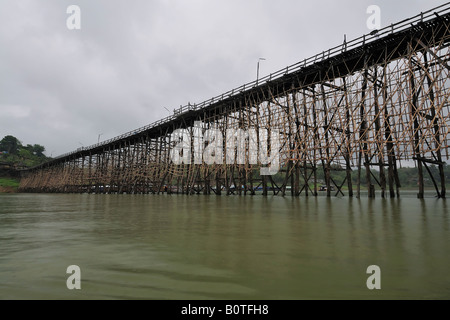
[[8, 190]]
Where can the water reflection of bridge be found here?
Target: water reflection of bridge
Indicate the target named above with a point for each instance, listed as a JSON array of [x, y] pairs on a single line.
[[362, 107]]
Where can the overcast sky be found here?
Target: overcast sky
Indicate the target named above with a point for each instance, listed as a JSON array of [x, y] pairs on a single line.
[[131, 60]]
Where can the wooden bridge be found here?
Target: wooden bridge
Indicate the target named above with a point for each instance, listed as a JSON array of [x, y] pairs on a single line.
[[362, 107]]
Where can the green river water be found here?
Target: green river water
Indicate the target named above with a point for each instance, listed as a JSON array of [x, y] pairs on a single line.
[[223, 247]]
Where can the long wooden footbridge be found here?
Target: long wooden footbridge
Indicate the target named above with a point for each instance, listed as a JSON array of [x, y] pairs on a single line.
[[362, 108]]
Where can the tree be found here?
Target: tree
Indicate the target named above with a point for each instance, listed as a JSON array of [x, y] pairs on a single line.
[[38, 150], [10, 144], [25, 154]]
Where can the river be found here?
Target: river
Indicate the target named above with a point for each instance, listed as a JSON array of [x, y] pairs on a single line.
[[223, 247]]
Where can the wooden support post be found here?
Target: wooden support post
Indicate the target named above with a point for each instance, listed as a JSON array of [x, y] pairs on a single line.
[[436, 128], [378, 135], [363, 137], [218, 178], [326, 161], [414, 116], [347, 156]]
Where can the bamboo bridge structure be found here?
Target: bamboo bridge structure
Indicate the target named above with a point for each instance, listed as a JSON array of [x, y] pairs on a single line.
[[362, 107]]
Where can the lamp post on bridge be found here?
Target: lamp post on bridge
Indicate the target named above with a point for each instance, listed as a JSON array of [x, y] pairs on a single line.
[[257, 70], [99, 137]]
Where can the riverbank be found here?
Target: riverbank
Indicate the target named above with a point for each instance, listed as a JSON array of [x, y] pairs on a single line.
[[9, 185]]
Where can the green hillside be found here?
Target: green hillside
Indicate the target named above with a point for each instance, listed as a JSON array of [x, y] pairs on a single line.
[[14, 153]]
